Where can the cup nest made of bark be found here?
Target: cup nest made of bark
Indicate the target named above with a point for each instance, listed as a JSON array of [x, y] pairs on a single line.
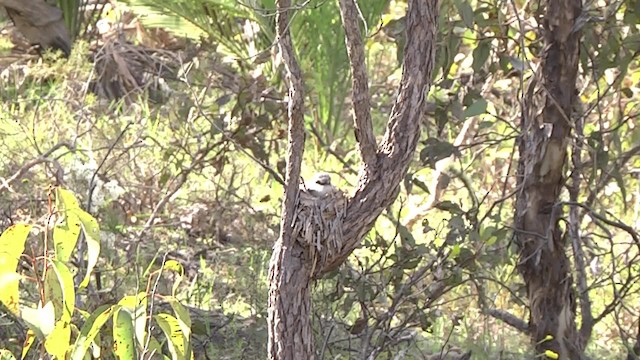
[[317, 224]]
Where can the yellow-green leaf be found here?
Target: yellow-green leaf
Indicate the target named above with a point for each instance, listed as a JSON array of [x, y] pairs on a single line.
[[182, 314], [65, 200], [173, 266], [90, 329], [57, 342], [12, 243], [184, 320], [137, 307], [178, 343], [9, 294], [65, 236], [59, 289], [91, 231], [6, 355], [123, 335], [30, 339]]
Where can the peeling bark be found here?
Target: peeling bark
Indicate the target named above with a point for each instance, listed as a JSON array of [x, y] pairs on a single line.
[[546, 126]]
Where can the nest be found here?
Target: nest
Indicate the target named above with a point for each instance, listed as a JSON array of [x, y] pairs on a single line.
[[318, 223]]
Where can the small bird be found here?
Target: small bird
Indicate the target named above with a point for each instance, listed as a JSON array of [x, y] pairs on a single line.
[[320, 185]]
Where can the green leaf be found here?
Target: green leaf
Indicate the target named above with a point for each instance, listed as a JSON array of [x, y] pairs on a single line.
[[481, 54], [124, 345], [90, 329], [466, 12], [178, 343], [477, 108], [92, 237], [435, 150], [59, 289], [137, 307], [12, 243]]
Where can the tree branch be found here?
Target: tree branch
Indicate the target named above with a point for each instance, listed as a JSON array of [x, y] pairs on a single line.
[[360, 98], [378, 185], [510, 319], [295, 116]]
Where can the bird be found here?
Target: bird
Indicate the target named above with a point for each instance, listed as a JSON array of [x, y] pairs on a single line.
[[319, 185]]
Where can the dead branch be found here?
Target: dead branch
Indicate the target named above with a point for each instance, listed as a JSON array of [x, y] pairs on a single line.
[[6, 183]]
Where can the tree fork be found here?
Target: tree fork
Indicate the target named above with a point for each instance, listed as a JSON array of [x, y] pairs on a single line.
[[291, 270]]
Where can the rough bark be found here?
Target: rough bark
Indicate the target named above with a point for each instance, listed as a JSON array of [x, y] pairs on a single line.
[[378, 185], [546, 126], [288, 320], [40, 23], [292, 267]]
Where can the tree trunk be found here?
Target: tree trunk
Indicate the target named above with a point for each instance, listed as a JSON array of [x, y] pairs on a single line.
[[546, 126], [294, 263]]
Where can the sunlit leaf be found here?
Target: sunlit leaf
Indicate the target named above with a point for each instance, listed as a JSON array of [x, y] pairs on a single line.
[[42, 320], [65, 236], [12, 243], [92, 237], [6, 355], [60, 290], [57, 343], [178, 343], [124, 346], [137, 308], [28, 342], [90, 329]]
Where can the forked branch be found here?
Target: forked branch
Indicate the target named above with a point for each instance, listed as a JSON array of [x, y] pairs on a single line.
[[379, 180]]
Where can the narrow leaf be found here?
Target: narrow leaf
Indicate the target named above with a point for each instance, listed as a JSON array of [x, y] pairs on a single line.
[[124, 345], [90, 329], [173, 332]]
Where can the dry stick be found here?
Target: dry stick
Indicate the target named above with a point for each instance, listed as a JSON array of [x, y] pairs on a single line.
[[576, 240], [6, 183], [361, 99]]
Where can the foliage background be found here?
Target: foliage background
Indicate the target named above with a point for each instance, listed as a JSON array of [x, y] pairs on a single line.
[[176, 152]]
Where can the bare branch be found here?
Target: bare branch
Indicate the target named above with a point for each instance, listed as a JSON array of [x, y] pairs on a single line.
[[6, 183], [360, 98], [510, 319]]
